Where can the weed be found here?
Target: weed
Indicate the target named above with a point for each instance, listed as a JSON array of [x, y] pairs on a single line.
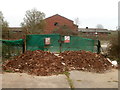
[[9, 71], [69, 80]]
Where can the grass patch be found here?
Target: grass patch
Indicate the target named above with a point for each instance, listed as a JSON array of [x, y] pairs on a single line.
[[9, 71], [69, 80]]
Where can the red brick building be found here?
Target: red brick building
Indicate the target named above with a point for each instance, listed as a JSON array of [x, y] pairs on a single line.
[[56, 21]]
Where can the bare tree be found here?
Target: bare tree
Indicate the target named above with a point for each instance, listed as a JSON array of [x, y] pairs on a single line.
[[100, 26], [4, 27], [1, 16], [77, 21], [33, 22]]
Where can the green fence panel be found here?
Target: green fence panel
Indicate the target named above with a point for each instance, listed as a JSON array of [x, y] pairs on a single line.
[[78, 43], [12, 47], [34, 42], [37, 42], [13, 42], [55, 45]]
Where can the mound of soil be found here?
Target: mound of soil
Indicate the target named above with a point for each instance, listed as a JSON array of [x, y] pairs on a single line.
[[35, 62], [85, 60], [43, 63]]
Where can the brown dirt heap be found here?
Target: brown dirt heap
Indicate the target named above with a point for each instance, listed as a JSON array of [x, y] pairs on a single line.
[[35, 62], [45, 63], [85, 60]]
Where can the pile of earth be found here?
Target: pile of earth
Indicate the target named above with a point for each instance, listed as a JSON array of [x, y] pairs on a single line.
[[35, 62], [43, 63], [86, 61]]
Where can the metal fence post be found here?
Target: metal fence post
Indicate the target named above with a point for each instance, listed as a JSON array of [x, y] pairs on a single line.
[[60, 43]]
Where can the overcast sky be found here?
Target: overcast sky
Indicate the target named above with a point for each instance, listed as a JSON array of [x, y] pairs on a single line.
[[89, 12]]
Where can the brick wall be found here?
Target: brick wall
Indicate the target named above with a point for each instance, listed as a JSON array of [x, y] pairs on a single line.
[[55, 21]]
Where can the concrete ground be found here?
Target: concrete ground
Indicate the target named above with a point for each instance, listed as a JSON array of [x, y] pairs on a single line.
[[22, 80], [79, 79], [94, 80], [0, 81]]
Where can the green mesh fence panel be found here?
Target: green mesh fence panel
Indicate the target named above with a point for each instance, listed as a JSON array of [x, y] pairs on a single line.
[[37, 42], [11, 48], [78, 43], [13, 42]]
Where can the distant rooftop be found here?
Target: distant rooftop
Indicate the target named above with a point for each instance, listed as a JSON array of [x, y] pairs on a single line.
[[93, 30], [15, 28]]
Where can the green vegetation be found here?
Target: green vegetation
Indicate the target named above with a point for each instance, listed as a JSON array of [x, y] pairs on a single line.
[[69, 80], [114, 47], [9, 71]]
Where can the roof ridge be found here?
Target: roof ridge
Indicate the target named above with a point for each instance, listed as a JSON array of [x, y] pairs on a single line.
[[60, 16]]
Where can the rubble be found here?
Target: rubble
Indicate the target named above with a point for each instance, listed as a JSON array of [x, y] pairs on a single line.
[[44, 63], [86, 61], [35, 62]]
